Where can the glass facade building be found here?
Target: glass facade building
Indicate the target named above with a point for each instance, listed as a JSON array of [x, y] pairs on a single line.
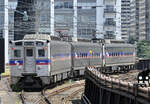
[[79, 18]]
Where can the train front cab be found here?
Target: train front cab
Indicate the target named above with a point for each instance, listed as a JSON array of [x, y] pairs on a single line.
[[33, 56], [37, 63]]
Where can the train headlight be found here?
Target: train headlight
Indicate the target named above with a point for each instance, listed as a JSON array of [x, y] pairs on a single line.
[[146, 77], [140, 78]]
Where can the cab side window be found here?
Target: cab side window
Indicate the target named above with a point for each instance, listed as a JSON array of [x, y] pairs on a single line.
[[17, 53], [41, 53]]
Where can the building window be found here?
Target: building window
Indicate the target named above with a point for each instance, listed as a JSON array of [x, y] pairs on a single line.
[[59, 18], [109, 35], [92, 18], [1, 33], [110, 21], [59, 5]]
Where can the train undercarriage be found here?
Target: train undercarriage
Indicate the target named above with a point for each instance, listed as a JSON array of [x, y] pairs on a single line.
[[31, 81]]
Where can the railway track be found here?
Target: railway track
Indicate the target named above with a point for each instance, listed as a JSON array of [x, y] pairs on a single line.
[[62, 94], [33, 98], [72, 95], [64, 89], [47, 96], [21, 95]]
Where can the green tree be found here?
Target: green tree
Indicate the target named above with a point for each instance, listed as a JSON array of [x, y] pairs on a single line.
[[143, 49]]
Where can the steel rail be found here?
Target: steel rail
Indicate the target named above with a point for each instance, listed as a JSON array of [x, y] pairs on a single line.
[[45, 98], [66, 99], [22, 97]]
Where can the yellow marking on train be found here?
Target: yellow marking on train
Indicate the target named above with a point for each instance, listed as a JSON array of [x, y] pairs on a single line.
[[90, 52]]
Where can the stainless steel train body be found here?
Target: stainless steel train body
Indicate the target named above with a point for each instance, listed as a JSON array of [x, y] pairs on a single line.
[[121, 56], [50, 61]]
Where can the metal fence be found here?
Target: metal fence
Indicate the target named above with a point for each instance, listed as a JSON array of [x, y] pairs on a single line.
[[120, 85]]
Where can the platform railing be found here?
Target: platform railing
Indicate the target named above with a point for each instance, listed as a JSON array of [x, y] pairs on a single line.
[[113, 83]]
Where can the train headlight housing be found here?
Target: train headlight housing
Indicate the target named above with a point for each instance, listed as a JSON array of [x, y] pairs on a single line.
[[146, 77], [140, 78]]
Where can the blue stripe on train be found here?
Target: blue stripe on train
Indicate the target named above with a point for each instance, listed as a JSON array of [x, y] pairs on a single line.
[[43, 61], [21, 61], [14, 62]]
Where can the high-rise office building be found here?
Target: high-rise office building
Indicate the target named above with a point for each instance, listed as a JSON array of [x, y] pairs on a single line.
[[2, 17], [134, 20], [107, 19], [24, 18], [11, 8], [144, 20], [78, 18], [140, 19], [125, 19]]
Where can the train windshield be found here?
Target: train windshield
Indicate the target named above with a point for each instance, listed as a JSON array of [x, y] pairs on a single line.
[[29, 52]]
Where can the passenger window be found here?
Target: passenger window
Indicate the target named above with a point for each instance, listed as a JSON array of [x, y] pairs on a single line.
[[86, 54], [41, 53], [109, 54], [29, 52], [17, 53]]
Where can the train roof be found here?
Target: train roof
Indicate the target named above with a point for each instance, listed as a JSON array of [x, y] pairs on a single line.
[[85, 43], [119, 45], [40, 37]]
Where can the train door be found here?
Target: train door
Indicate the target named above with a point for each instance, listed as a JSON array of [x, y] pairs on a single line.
[[29, 60]]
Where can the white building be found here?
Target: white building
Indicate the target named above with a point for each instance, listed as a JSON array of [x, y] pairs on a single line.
[[108, 19], [100, 17], [125, 19]]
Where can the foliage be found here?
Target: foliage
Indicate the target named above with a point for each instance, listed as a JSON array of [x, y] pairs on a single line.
[[143, 49]]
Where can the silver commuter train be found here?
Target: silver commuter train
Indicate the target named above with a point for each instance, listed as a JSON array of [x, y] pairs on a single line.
[[37, 60]]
